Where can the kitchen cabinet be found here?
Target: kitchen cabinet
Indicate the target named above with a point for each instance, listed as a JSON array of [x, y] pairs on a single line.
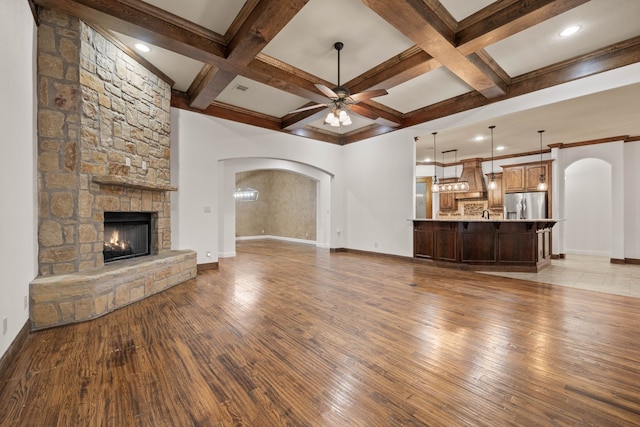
[[526, 176], [494, 197], [513, 178], [532, 177]]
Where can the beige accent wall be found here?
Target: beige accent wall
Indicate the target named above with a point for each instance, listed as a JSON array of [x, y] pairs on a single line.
[[286, 206]]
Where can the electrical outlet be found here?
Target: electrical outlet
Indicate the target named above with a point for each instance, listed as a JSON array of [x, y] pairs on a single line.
[[26, 302], [144, 165], [127, 161], [4, 325]]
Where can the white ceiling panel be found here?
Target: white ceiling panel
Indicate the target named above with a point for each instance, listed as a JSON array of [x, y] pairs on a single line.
[[603, 22], [460, 9], [427, 89], [259, 97], [564, 122], [181, 69], [307, 41], [216, 15]]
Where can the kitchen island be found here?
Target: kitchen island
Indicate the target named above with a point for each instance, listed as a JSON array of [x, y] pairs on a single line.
[[481, 244]]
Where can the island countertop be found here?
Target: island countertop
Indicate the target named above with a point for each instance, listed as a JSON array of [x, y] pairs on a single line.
[[485, 244]]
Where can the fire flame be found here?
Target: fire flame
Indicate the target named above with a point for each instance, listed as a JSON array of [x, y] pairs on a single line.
[[116, 241]]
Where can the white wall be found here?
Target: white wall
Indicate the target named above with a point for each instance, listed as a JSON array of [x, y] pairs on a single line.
[[372, 182], [365, 188], [18, 216], [206, 152], [380, 182]]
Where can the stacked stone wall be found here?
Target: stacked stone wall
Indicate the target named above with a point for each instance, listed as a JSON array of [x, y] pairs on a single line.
[[101, 114], [58, 139]]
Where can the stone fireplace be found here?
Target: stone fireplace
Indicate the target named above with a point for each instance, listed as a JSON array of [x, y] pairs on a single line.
[[103, 153]]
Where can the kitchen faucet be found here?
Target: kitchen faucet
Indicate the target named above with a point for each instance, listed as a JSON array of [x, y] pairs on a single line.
[[488, 214]]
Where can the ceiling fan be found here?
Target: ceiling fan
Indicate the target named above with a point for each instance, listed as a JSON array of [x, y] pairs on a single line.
[[340, 98]]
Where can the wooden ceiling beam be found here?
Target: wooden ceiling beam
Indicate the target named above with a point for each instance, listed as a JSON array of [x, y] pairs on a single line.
[[145, 22], [316, 135], [207, 85], [225, 111], [422, 25], [280, 75], [367, 132], [297, 120], [373, 111], [605, 59], [263, 23], [505, 18], [266, 20], [403, 67]]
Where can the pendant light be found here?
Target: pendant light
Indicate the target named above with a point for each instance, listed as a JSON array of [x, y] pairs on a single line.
[[457, 186], [542, 184], [435, 188], [492, 180]]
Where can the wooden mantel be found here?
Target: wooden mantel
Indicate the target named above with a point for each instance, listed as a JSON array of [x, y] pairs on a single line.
[[124, 181]]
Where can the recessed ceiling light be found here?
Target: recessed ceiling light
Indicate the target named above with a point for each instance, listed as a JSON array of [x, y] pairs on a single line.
[[570, 30], [142, 47], [500, 148], [478, 138]]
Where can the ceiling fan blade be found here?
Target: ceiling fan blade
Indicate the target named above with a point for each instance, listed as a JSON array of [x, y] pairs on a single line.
[[326, 91], [310, 107], [368, 94]]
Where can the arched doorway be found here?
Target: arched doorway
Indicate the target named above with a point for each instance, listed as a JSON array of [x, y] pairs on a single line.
[[227, 170]]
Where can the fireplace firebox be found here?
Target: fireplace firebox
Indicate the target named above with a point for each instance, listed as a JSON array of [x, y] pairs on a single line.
[[126, 235]]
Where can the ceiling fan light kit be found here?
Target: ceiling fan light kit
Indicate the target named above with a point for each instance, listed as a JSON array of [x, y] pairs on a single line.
[[340, 99]]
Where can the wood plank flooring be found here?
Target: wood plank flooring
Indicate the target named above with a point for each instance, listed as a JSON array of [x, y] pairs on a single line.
[[287, 334]]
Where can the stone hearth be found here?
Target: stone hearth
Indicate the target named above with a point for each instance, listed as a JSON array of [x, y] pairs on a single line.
[[68, 298]]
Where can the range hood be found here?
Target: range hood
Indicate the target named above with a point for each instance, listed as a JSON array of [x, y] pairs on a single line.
[[472, 173]]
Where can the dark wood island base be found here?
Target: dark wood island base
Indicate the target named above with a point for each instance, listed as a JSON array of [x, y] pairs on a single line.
[[490, 245]]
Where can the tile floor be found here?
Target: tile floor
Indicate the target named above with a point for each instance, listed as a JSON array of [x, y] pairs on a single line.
[[587, 272]]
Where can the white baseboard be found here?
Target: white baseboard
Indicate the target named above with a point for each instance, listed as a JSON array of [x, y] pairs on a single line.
[[591, 253], [286, 239]]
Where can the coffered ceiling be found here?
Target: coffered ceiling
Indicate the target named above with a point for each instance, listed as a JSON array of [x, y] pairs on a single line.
[[255, 61]]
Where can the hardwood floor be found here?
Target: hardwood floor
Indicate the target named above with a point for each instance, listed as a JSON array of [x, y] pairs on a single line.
[[286, 334]]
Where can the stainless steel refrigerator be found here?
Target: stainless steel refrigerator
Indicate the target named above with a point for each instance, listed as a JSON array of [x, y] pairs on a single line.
[[532, 205]]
